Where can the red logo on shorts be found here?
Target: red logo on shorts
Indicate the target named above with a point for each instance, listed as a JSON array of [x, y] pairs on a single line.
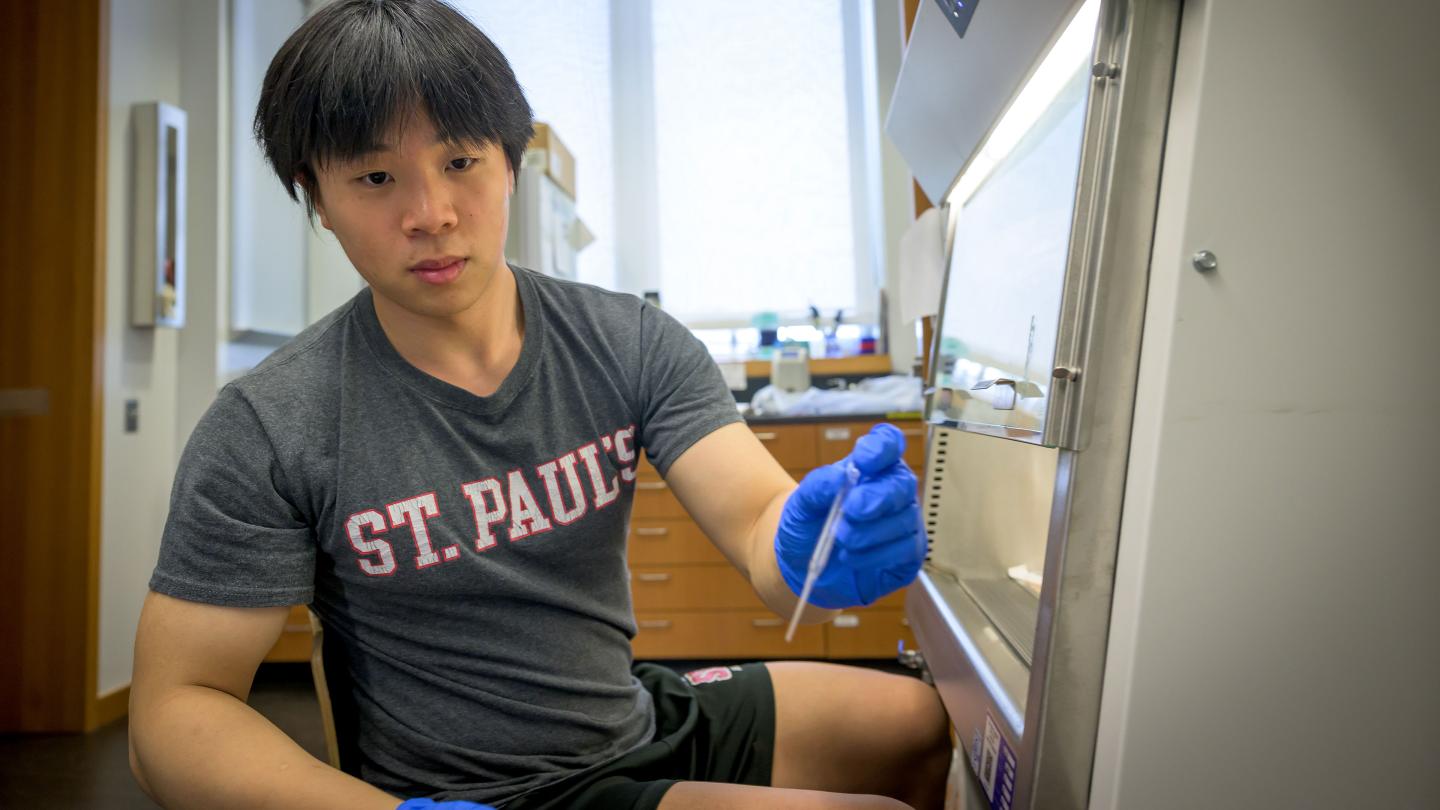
[[709, 675]]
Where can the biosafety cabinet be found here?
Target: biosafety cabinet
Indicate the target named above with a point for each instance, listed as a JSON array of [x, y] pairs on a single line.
[[1182, 400]]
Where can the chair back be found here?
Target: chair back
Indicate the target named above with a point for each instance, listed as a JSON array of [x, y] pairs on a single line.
[[330, 667]]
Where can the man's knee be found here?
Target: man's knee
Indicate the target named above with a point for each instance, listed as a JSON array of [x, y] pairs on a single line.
[[925, 715]]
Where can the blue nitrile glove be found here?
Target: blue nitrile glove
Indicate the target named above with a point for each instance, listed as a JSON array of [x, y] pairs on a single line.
[[880, 542], [428, 804]]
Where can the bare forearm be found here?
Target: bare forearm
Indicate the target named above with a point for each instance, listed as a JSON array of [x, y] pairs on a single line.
[[764, 570], [197, 747]]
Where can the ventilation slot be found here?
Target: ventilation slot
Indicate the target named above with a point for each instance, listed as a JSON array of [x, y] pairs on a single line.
[[935, 473]]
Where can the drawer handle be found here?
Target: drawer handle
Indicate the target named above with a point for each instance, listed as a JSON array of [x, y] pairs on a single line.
[[653, 577], [655, 624], [767, 436], [651, 532], [767, 622], [650, 485], [904, 622]]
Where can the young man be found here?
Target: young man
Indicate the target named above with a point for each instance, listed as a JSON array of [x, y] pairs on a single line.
[[443, 468]]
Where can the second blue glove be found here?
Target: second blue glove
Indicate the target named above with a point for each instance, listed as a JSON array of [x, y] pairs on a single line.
[[880, 543], [430, 804]]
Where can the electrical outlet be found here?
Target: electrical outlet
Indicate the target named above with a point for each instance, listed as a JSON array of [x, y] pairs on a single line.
[[132, 415]]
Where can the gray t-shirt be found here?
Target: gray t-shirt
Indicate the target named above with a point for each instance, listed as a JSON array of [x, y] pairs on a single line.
[[468, 551]]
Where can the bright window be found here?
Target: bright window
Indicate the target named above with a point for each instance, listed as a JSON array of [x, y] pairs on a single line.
[[560, 52], [721, 149], [754, 160]]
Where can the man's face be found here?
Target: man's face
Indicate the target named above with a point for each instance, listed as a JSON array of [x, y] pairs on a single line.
[[424, 222]]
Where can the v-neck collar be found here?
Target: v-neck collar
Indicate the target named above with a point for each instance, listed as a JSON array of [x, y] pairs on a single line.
[[444, 392]]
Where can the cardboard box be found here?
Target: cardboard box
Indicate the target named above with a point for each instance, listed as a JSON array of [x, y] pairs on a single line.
[[547, 153]]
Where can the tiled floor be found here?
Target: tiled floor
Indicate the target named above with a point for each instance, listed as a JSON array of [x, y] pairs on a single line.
[[92, 771]]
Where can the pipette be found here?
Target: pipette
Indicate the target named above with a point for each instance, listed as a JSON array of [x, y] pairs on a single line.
[[821, 554]]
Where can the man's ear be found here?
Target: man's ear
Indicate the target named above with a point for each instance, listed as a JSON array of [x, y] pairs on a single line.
[[512, 181]]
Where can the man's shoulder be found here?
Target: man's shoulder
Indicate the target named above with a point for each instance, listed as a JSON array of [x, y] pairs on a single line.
[[301, 375], [591, 322], [575, 298]]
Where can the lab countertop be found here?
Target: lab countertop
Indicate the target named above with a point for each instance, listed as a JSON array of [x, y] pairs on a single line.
[[755, 419]]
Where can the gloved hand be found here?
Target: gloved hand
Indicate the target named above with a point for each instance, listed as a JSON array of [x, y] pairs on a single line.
[[427, 804], [880, 542]]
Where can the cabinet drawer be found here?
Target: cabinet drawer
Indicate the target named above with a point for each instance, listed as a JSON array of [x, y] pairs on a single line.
[[708, 586], [654, 499], [691, 587], [916, 437], [735, 636], [791, 445], [662, 541], [867, 633], [837, 439]]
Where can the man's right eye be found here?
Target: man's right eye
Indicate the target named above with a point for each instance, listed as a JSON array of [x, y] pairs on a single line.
[[374, 178]]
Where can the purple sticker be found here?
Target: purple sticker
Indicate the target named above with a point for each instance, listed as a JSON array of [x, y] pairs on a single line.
[[995, 765]]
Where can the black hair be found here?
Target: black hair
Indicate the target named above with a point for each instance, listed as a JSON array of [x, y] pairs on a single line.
[[355, 71]]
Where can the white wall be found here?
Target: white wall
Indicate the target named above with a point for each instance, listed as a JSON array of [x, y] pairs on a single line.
[[281, 272], [1276, 615], [144, 65], [293, 271], [204, 94], [172, 51]]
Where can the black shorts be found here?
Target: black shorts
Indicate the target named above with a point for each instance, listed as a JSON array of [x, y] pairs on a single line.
[[711, 725]]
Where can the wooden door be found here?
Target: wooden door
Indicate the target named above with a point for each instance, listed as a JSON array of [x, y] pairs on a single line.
[[52, 294]]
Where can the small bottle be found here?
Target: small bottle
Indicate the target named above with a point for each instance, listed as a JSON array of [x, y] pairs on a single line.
[[867, 341]]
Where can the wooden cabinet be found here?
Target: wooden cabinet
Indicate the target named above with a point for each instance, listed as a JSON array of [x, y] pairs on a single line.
[[915, 438], [691, 603], [791, 445], [294, 641], [670, 541], [870, 633], [836, 439], [732, 635], [712, 586], [654, 499]]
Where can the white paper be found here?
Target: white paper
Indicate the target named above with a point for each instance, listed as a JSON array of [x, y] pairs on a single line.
[[922, 271], [734, 374], [579, 236], [1030, 580]]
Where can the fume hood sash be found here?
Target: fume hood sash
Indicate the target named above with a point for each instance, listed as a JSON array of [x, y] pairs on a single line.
[[948, 96]]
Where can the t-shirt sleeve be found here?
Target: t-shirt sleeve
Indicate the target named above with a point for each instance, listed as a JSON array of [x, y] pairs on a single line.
[[683, 398], [234, 535]]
